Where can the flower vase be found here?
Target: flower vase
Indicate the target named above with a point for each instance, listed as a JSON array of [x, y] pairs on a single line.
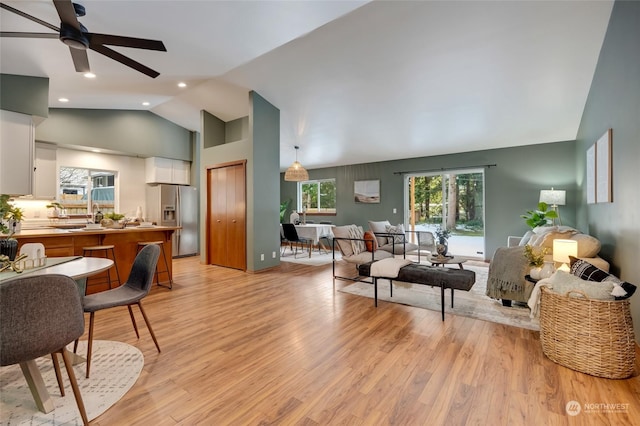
[[442, 247], [535, 272], [547, 270]]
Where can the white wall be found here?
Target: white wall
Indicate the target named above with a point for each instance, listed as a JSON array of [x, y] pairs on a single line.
[[130, 185]]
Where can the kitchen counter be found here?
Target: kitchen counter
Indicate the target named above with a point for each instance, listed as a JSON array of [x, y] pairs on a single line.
[[70, 242]]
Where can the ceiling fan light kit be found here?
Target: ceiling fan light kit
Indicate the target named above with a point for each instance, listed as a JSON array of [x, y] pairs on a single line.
[[75, 35]]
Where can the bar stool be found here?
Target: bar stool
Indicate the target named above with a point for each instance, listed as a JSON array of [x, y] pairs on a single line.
[[142, 244], [105, 250]]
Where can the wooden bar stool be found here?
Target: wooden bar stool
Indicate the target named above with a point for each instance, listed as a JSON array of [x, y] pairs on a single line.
[[141, 245], [105, 250]]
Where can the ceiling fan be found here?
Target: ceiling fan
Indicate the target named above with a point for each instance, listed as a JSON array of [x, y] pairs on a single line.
[[79, 39]]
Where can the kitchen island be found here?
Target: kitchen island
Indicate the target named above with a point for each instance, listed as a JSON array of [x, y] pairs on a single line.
[[70, 242]]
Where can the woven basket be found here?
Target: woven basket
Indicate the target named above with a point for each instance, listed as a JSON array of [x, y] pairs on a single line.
[[591, 336]]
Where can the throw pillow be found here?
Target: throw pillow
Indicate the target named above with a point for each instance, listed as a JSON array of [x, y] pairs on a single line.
[[398, 232], [344, 245], [586, 271], [379, 227], [370, 241], [525, 238], [357, 243], [588, 246]]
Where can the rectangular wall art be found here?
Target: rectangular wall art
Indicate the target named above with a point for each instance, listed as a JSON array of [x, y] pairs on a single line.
[[367, 191], [603, 169]]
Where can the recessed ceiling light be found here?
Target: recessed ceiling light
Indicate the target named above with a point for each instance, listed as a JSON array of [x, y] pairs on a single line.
[[182, 84], [95, 150], [90, 75], [63, 100], [146, 103]]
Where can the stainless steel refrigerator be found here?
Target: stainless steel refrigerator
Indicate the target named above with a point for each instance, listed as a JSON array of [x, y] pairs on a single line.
[[175, 205]]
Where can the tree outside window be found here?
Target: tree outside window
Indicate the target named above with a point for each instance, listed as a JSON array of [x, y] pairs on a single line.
[[317, 196]]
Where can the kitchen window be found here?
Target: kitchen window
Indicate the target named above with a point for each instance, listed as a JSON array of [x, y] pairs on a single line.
[[317, 196], [82, 191]]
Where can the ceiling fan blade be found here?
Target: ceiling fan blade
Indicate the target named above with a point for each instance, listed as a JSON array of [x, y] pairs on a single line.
[[27, 35], [80, 59], [124, 60], [31, 18], [67, 13], [114, 40]]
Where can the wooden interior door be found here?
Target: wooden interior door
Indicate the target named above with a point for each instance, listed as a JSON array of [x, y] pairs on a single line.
[[226, 216]]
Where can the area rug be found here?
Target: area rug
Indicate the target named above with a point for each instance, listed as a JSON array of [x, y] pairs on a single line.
[[316, 259], [115, 367], [474, 303]]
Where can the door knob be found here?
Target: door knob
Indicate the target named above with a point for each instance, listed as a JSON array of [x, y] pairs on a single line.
[[234, 221]]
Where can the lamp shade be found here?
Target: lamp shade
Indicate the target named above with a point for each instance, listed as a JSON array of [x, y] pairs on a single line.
[[296, 173], [562, 249], [554, 197]]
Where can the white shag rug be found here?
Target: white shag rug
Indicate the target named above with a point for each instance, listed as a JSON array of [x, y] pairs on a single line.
[[474, 303], [115, 367]]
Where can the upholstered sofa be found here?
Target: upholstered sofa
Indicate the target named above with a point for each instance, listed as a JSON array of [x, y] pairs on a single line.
[[509, 266]]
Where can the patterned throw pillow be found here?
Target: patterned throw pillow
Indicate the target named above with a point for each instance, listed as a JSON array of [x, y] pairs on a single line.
[[370, 241], [587, 271], [398, 230], [357, 245]]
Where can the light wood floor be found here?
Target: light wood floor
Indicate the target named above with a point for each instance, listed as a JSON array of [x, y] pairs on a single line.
[[285, 347]]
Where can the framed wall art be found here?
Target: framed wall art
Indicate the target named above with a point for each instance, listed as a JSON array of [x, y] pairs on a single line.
[[603, 169], [591, 174], [366, 191]]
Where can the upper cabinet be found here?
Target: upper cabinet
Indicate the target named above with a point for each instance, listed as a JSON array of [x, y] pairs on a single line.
[[165, 170], [17, 136], [45, 176]]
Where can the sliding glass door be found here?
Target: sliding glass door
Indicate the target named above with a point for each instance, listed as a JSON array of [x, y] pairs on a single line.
[[453, 200]]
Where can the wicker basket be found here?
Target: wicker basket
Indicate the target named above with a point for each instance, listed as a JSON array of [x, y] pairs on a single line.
[[587, 335]]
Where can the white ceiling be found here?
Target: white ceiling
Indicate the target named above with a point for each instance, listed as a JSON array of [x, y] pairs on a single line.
[[355, 81]]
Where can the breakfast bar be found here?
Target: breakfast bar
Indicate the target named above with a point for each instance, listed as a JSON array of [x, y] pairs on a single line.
[[70, 242]]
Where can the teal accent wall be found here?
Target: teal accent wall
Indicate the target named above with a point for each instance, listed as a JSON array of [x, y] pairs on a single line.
[[264, 128], [259, 146], [213, 130], [511, 188], [136, 133], [24, 94], [614, 102]]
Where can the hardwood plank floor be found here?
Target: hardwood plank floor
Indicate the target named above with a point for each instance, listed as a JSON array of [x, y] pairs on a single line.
[[285, 347]]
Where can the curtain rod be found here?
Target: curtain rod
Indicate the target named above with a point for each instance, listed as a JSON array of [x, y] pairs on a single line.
[[444, 169]]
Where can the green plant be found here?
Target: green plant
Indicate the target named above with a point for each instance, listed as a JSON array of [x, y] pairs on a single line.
[[113, 216], [284, 206], [539, 217], [535, 257], [8, 213], [54, 205]]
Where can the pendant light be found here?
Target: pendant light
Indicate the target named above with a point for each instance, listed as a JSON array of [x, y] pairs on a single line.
[[296, 173]]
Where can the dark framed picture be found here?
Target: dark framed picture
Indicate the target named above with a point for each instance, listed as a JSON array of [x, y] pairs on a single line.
[[367, 191]]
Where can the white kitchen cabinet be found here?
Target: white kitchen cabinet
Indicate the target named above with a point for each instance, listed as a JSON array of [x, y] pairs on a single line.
[[17, 136], [45, 176], [180, 172], [165, 170]]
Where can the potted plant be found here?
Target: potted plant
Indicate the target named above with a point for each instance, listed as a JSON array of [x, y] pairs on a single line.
[[535, 259], [539, 217], [9, 217], [57, 208]]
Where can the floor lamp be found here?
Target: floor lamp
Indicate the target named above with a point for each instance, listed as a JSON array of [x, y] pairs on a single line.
[[555, 198]]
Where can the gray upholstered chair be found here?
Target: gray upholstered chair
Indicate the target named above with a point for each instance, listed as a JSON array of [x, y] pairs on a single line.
[[40, 315], [131, 293]]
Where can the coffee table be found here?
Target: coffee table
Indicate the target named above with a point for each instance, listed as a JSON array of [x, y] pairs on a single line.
[[435, 261]]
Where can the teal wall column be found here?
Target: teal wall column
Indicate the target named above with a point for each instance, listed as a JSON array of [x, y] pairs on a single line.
[[24, 94]]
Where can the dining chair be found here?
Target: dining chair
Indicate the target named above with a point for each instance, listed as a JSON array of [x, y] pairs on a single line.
[[291, 235], [41, 315], [132, 292]]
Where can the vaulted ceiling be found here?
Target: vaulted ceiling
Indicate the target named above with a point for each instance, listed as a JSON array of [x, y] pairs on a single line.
[[355, 81]]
